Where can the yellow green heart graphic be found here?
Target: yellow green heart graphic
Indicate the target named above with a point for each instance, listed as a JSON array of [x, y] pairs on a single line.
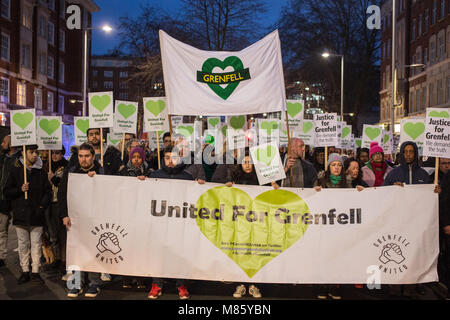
[[237, 122], [386, 138], [224, 130], [214, 80], [155, 107], [437, 114], [113, 141], [186, 131], [345, 132], [23, 119], [101, 102], [372, 133], [294, 109], [251, 232], [266, 155], [213, 122], [83, 125], [126, 110], [49, 126], [307, 126], [269, 126], [358, 142], [414, 130]]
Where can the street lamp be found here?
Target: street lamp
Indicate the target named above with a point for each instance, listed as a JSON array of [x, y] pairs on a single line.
[[106, 28], [326, 55]]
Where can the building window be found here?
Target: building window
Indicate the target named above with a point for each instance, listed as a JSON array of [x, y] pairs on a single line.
[[27, 14], [51, 33], [441, 48], [62, 40], [50, 102], [441, 16], [419, 27], [108, 74], [425, 56], [43, 27], [424, 98], [413, 36], [25, 57], [4, 90], [6, 8], [108, 84], [432, 52], [51, 5], [440, 92], [61, 72], [42, 60], [94, 84], [433, 18], [61, 104], [419, 56], [123, 85], [425, 23], [123, 95], [51, 68], [5, 43], [21, 94], [38, 98], [95, 73], [431, 94], [62, 9], [124, 74]]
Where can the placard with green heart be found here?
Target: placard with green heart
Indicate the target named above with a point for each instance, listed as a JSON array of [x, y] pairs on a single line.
[[126, 110], [294, 108], [414, 130], [100, 102], [372, 133], [345, 132], [224, 130], [269, 126], [155, 107], [266, 155], [307, 126], [256, 234], [437, 114], [237, 122], [82, 125], [49, 126], [386, 138], [213, 122], [358, 142], [186, 131], [22, 120]]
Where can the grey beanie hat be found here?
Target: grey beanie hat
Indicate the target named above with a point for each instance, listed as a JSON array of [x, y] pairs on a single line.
[[334, 157]]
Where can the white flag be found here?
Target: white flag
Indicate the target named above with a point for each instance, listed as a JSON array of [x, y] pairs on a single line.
[[220, 83]]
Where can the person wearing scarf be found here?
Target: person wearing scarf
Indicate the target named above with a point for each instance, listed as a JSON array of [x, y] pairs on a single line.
[[375, 171]]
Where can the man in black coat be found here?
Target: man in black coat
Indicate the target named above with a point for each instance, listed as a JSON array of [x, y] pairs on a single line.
[[29, 214]]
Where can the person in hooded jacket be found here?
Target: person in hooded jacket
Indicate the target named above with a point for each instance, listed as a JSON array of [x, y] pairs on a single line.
[[28, 214], [376, 169]]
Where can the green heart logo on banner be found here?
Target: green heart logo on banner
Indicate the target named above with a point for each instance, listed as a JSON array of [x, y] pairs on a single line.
[[266, 155], [284, 132], [233, 62], [186, 131], [126, 110], [259, 231], [307, 126], [49, 126], [101, 102], [113, 142], [372, 133], [224, 130], [269, 126], [386, 138], [23, 119], [82, 125], [414, 130], [155, 107], [437, 114], [345, 132], [213, 122], [358, 142], [237, 122], [294, 109]]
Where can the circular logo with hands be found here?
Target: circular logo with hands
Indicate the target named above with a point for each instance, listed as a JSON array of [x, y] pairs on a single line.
[[391, 252], [108, 242]]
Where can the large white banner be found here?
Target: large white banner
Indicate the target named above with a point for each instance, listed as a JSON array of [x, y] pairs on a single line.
[[180, 229], [218, 83]]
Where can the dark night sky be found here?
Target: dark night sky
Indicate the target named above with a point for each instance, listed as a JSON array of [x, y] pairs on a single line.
[[112, 10]]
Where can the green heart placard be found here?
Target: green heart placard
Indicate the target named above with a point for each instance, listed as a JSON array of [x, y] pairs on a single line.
[[126, 110], [237, 122], [224, 130], [386, 138], [307, 126], [155, 107], [345, 132], [186, 131], [82, 125], [293, 109], [414, 130], [358, 142], [437, 114], [255, 234], [269, 126], [100, 102], [266, 155], [23, 119], [213, 122], [372, 133], [49, 126]]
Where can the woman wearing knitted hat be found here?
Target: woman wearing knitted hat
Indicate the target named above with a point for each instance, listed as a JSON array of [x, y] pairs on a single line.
[[137, 166], [376, 170], [334, 177]]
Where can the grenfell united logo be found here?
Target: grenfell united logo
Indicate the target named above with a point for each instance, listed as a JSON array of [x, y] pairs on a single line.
[[392, 257], [215, 80], [108, 238]]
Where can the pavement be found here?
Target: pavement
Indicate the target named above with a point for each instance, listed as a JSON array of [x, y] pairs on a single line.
[[55, 289]]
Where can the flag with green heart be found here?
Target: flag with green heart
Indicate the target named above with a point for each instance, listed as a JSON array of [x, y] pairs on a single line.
[[267, 163], [23, 127], [156, 117], [371, 134], [269, 131], [125, 117], [413, 130], [235, 132], [215, 83], [49, 133], [326, 130], [437, 133], [80, 125], [101, 111], [295, 110]]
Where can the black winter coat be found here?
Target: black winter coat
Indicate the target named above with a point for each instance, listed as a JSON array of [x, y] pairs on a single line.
[[177, 172], [6, 165], [28, 212]]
